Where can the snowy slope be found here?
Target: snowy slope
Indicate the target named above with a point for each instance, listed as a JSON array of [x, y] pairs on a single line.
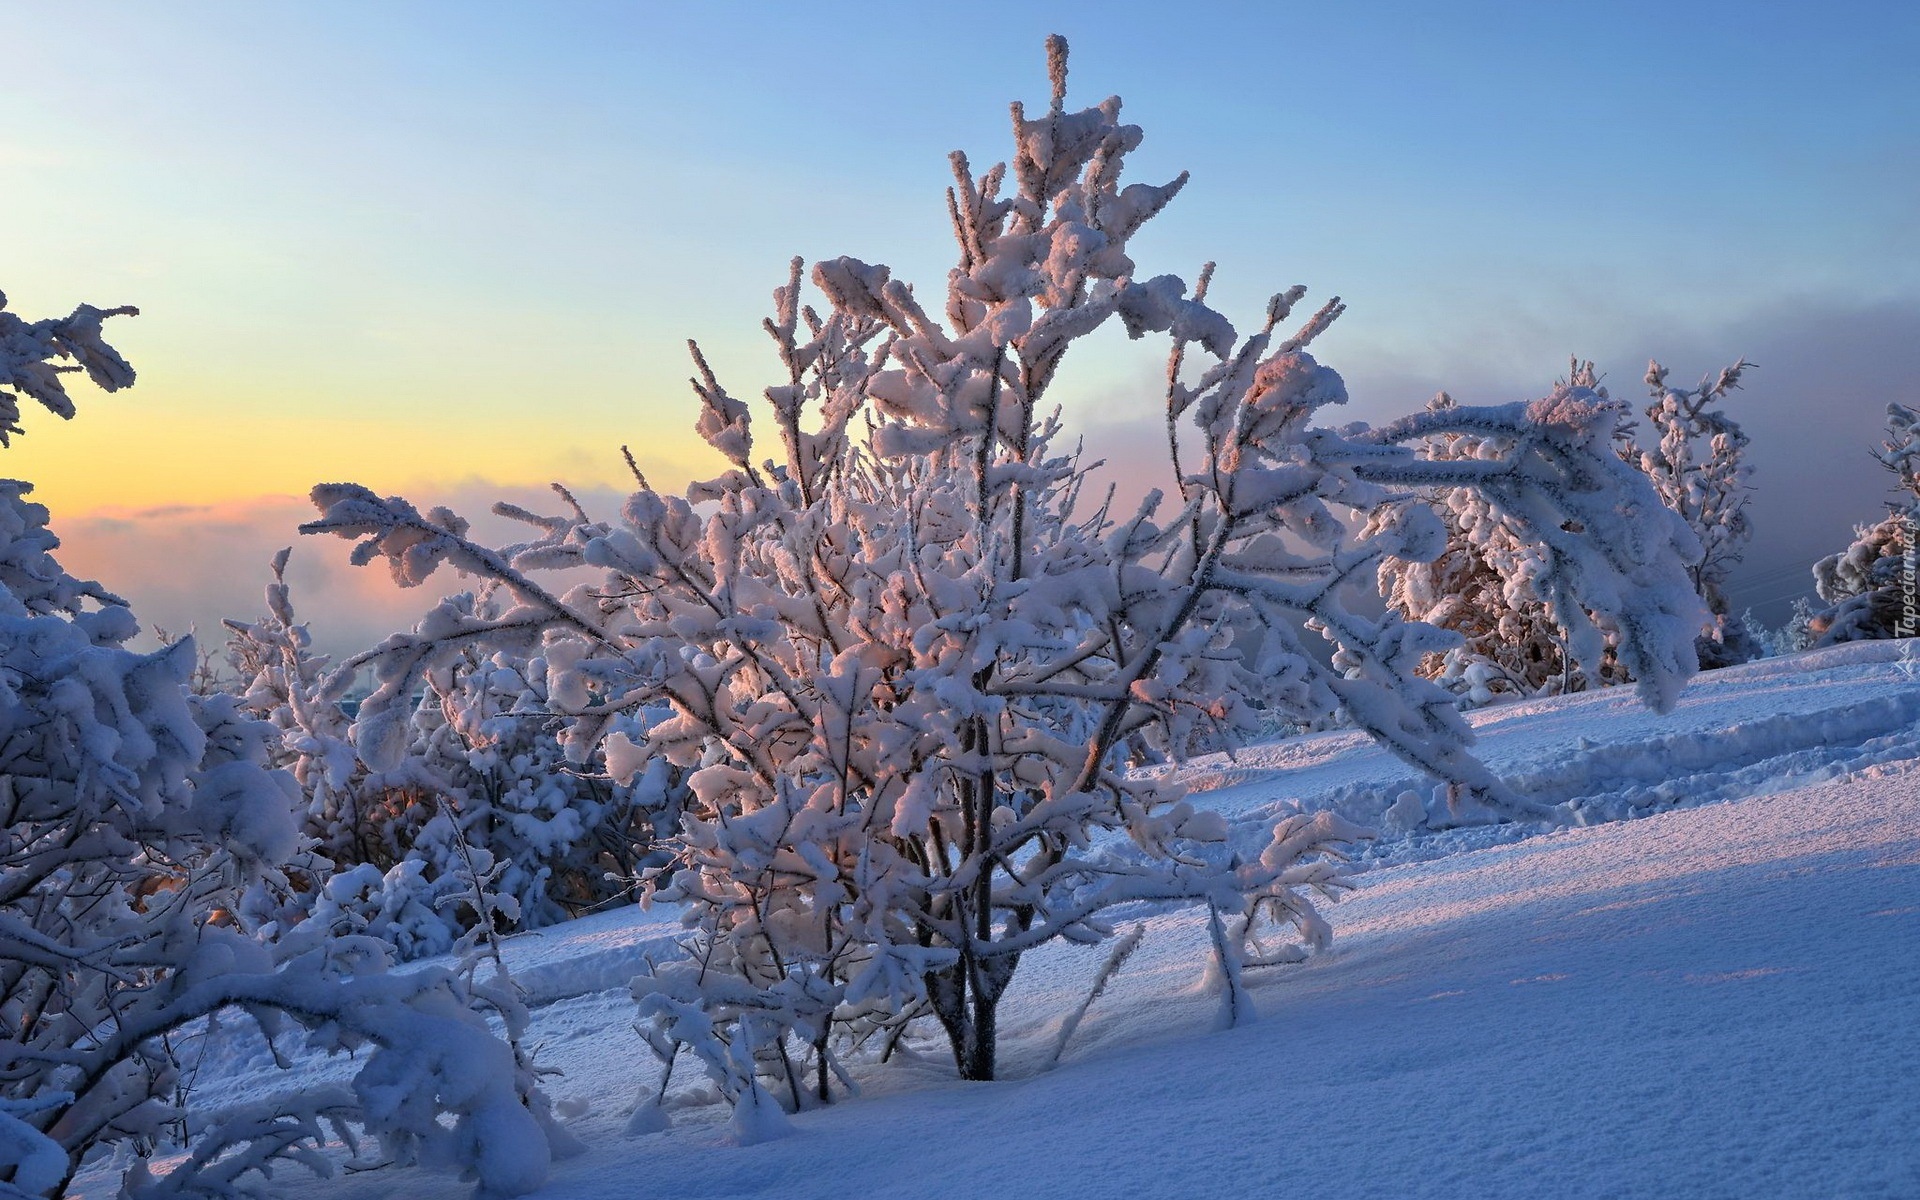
[[1744, 731], [1718, 1000]]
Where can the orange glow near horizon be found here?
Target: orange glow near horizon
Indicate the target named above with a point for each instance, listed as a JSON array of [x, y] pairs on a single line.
[[154, 447]]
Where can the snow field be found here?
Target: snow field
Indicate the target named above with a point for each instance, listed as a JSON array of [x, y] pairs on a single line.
[[1742, 731]]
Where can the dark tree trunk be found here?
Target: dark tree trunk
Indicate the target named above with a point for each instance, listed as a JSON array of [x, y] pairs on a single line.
[[966, 999], [979, 1062]]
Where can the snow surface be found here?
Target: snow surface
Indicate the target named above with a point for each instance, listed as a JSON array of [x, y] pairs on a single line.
[[1721, 999]]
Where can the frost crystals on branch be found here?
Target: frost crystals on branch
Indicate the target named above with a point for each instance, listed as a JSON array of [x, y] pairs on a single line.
[[904, 651]]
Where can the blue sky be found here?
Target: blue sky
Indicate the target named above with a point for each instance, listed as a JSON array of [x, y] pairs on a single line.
[[424, 244]]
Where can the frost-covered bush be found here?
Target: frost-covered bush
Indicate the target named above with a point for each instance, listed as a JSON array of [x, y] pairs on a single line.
[[282, 682], [567, 838], [1869, 589], [904, 646], [136, 813], [1493, 584], [482, 774]]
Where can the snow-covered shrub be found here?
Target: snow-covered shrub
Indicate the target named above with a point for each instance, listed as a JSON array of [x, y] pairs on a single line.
[[482, 774], [1869, 589], [904, 648], [566, 839], [1493, 585], [135, 815]]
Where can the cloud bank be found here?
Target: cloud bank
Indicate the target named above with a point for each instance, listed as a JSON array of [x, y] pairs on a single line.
[[185, 567]]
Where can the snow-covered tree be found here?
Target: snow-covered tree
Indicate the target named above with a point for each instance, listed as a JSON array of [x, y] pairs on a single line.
[[904, 648], [135, 813], [1869, 589], [1698, 465]]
